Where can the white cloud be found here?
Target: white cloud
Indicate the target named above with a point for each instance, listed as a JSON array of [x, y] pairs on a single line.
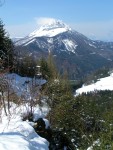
[[44, 20]]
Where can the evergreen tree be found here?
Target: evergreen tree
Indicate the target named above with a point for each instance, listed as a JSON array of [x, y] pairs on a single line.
[[44, 68], [26, 67], [6, 49], [53, 73]]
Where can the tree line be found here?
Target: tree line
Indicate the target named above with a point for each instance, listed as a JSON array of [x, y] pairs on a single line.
[[6, 50]]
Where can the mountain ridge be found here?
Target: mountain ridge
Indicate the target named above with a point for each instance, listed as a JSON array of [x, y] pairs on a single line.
[[73, 51]]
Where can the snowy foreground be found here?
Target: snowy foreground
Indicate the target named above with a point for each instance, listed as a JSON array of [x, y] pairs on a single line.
[[102, 84], [16, 134]]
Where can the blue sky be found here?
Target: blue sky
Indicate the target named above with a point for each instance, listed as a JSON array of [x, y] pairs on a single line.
[[94, 18]]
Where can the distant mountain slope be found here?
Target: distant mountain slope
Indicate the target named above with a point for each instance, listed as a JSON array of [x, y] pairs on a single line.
[[102, 84], [72, 51]]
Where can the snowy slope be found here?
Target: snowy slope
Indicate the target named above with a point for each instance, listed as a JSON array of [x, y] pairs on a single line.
[[51, 29], [102, 84], [70, 45], [14, 132], [18, 134], [20, 85]]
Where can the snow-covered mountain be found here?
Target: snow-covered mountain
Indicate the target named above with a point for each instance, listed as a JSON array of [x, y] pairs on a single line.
[[53, 28], [72, 50], [50, 31]]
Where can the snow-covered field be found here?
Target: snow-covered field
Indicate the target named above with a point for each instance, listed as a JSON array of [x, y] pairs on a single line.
[[23, 84], [18, 134], [102, 84]]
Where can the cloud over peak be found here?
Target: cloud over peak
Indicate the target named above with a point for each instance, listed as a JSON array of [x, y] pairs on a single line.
[[44, 20]]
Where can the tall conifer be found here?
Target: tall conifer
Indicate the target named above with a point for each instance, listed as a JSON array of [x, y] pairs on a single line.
[[6, 49]]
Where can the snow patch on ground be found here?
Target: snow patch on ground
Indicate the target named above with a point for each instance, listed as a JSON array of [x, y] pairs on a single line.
[[92, 45], [50, 40], [18, 134], [30, 41], [14, 132], [70, 46], [93, 53], [22, 85]]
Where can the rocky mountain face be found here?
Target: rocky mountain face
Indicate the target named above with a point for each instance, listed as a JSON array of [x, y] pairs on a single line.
[[72, 51]]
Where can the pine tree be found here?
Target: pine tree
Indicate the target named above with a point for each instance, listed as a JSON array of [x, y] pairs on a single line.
[[44, 68], [6, 49], [53, 73]]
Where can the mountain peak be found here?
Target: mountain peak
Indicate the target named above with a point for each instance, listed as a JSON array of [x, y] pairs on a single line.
[[55, 23], [50, 29]]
